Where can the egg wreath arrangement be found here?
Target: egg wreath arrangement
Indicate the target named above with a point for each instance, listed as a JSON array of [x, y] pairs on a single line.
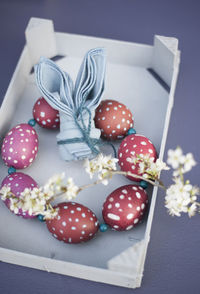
[[83, 118]]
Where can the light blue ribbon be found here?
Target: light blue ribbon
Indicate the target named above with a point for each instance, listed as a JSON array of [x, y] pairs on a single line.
[[78, 137]]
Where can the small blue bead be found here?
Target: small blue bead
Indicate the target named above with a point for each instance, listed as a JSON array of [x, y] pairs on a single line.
[[41, 218], [11, 170], [131, 131], [143, 184], [103, 228], [32, 122]]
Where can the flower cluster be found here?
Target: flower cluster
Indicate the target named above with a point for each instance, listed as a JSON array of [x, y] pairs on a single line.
[[147, 167], [37, 200], [181, 196], [103, 166], [180, 163]]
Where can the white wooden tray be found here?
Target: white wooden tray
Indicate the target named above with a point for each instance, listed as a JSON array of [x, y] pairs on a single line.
[[141, 76]]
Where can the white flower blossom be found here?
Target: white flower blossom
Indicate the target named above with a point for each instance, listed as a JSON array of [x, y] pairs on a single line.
[[102, 165], [192, 209], [178, 197], [189, 162], [5, 192], [175, 157], [72, 189]]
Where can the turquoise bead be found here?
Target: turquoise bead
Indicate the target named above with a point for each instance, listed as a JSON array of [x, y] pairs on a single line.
[[103, 227], [143, 184], [131, 131], [41, 218], [11, 170], [32, 122]]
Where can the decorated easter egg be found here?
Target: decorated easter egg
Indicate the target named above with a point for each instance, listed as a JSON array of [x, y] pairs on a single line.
[[20, 146], [131, 147], [125, 207], [45, 115], [18, 182], [114, 119], [74, 223]]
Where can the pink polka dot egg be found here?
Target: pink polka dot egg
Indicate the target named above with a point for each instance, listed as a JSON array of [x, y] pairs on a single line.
[[133, 146], [124, 208], [20, 146], [74, 223], [46, 116], [18, 182], [114, 119]]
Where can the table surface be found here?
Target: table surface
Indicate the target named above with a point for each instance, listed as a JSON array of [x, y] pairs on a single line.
[[173, 259]]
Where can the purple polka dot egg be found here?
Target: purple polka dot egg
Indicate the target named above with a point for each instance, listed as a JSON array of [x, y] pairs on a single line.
[[18, 182], [20, 146]]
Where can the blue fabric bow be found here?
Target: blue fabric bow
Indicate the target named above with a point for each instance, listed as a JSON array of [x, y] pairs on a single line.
[[76, 104]]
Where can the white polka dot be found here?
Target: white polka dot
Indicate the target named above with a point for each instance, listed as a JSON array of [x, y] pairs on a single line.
[[126, 150], [83, 215], [123, 119], [125, 144], [143, 206], [113, 216], [130, 205], [135, 188], [115, 108], [78, 208], [124, 191], [117, 205], [84, 226], [136, 221], [15, 161], [108, 127], [107, 109], [70, 240], [55, 235], [16, 185], [113, 131], [118, 126], [120, 154], [132, 167], [111, 199], [119, 105], [44, 122], [42, 114], [143, 143], [56, 120], [138, 208], [64, 224], [83, 232], [130, 216], [109, 206], [11, 149], [72, 211], [23, 157], [123, 112], [150, 151], [116, 227], [73, 228], [114, 117], [76, 220], [121, 196], [100, 110], [61, 231], [70, 219], [103, 118], [138, 195], [22, 135], [31, 159]]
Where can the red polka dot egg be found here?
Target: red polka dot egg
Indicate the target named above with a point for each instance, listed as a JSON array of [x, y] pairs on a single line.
[[45, 115], [74, 223], [114, 119], [20, 146], [133, 146], [125, 207], [18, 182]]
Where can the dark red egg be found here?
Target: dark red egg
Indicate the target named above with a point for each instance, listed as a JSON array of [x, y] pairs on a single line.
[[45, 115], [132, 146], [124, 207], [74, 223], [114, 119]]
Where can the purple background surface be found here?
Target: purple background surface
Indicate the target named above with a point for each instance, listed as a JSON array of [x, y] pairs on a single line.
[[173, 259]]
